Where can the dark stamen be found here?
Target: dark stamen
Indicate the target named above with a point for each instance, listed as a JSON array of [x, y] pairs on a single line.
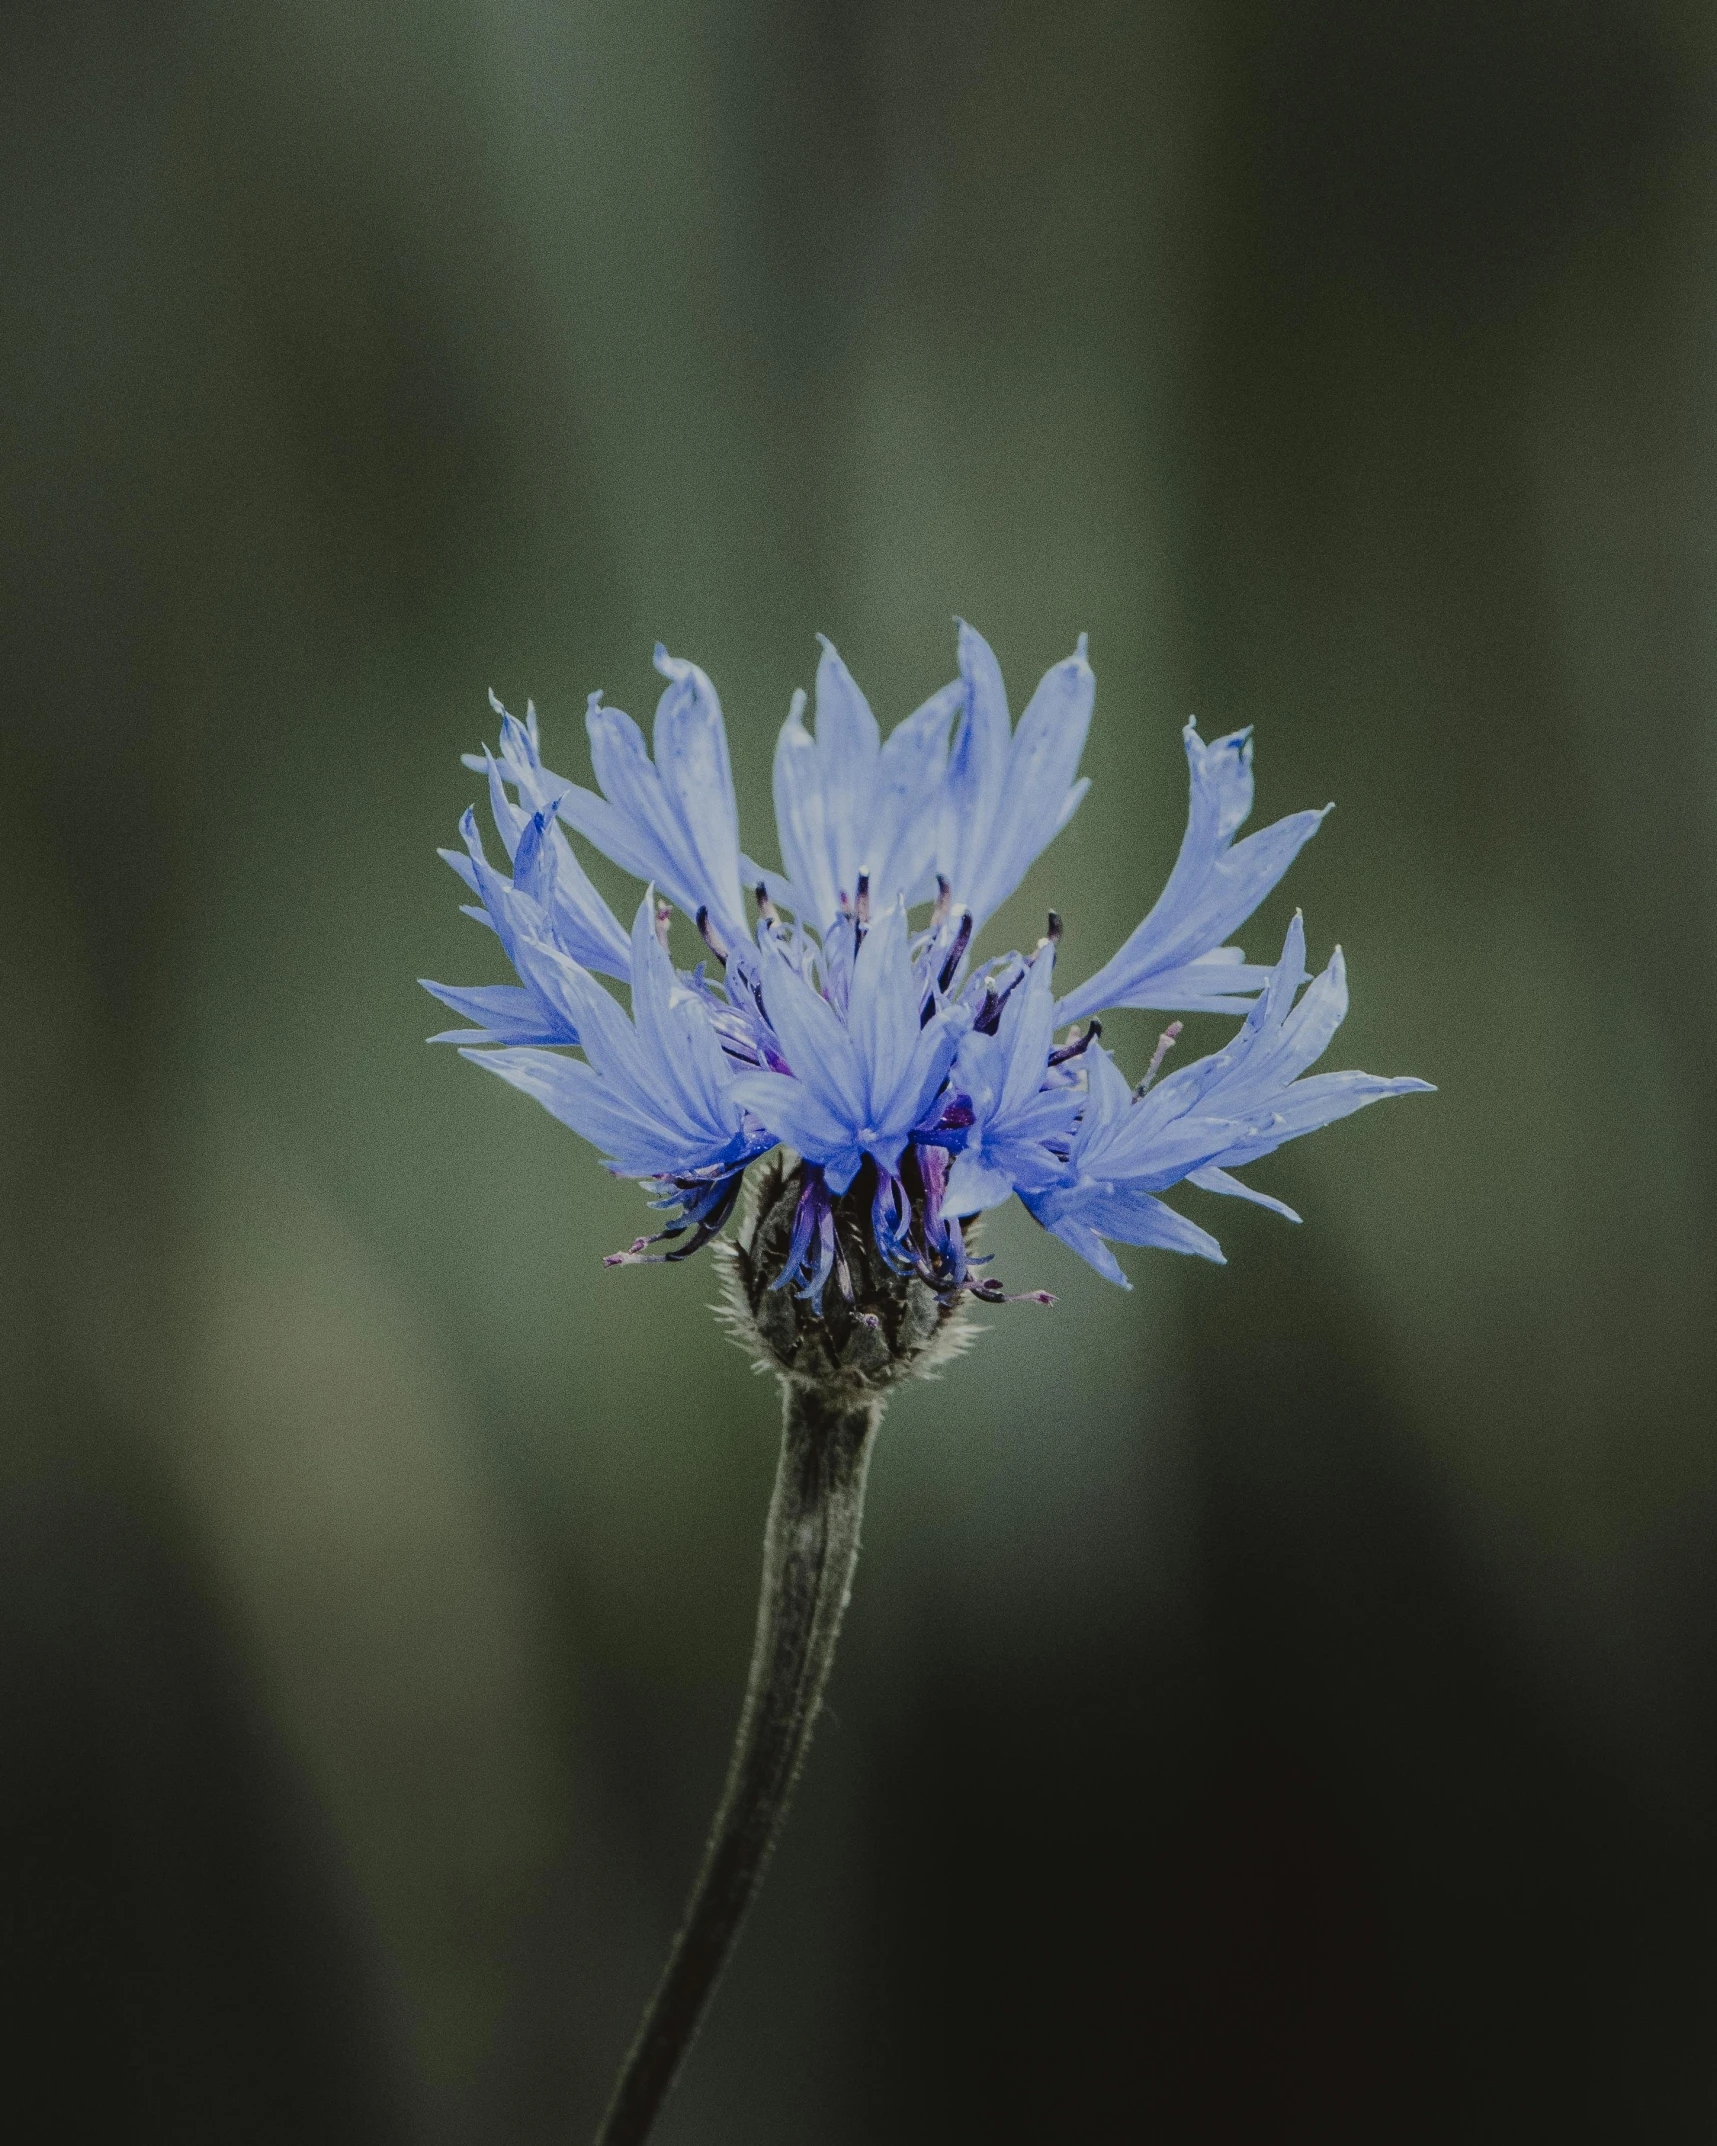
[[990, 1291], [944, 902], [962, 940], [861, 903], [711, 937], [1078, 1046], [1055, 927], [766, 909]]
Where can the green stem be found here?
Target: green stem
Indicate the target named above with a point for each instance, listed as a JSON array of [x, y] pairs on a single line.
[[810, 1548]]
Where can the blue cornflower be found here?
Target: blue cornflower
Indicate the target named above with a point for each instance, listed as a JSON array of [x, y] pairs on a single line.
[[916, 1085]]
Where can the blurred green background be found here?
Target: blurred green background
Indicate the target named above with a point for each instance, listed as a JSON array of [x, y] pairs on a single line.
[[1278, 1703]]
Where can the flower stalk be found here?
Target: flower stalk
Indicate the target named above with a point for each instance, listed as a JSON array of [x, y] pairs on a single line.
[[810, 1549]]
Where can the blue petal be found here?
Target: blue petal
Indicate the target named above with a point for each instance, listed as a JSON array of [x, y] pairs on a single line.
[[808, 847], [781, 890], [882, 1016], [795, 1114], [1037, 799], [1129, 1217], [848, 745], [977, 764], [974, 1186], [932, 1056], [1220, 982], [630, 822], [697, 777], [1211, 891], [688, 1067], [1084, 1240], [906, 800], [845, 805], [1309, 1105], [815, 1045], [1211, 1179], [636, 1144], [584, 926], [503, 1013], [509, 820], [568, 993], [1026, 1032], [982, 1071], [462, 865]]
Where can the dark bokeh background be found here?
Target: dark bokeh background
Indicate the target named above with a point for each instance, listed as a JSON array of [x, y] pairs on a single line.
[[1279, 1703]]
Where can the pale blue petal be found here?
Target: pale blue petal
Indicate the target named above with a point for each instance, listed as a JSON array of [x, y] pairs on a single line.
[[503, 1014], [1210, 893], [1210, 985], [692, 1073], [575, 1093], [807, 848], [495, 892], [795, 1114], [974, 1186], [584, 926], [630, 823], [1211, 1179], [882, 1015], [779, 888], [840, 1170], [1155, 1159], [933, 1053], [814, 1042], [574, 997], [462, 865], [790, 1111], [697, 777], [660, 1041], [1083, 1239], [1042, 762], [1128, 1216], [906, 800], [846, 805], [1026, 1032], [1137, 1218], [1311, 1104], [509, 820], [981, 1070], [1071, 803], [977, 764], [1218, 1086], [848, 745], [1108, 1101]]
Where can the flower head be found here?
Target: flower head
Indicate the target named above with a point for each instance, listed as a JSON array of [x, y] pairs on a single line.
[[916, 1084]]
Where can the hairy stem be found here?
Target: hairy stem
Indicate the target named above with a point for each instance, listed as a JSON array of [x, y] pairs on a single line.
[[810, 1547]]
